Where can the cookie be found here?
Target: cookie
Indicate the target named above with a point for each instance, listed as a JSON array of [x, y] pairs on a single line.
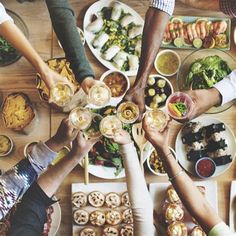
[[113, 217], [87, 232], [127, 216], [96, 199], [81, 217], [125, 199], [97, 218], [127, 230], [79, 199], [112, 200], [110, 231]]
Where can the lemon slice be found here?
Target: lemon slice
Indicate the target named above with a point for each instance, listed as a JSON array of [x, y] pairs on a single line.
[[176, 20], [166, 42], [197, 43], [179, 42]]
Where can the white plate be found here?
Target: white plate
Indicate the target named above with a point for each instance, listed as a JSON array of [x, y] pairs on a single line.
[[56, 219], [102, 187], [227, 134], [232, 207], [109, 172], [158, 190], [93, 9]]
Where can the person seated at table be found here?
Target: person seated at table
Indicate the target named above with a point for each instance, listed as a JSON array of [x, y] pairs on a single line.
[[156, 20], [30, 215], [64, 25], [191, 197], [15, 182], [13, 35], [222, 93]]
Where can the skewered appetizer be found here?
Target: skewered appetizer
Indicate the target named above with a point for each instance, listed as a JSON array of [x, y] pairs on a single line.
[[198, 34]]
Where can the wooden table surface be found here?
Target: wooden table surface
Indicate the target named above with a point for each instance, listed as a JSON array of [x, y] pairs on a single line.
[[21, 77]]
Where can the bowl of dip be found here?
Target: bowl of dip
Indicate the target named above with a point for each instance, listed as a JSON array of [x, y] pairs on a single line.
[[167, 62], [6, 145], [205, 167]]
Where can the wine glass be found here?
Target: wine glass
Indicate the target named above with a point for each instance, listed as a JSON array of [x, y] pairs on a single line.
[[128, 112]]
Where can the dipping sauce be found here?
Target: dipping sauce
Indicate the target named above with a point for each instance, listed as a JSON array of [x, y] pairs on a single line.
[[205, 167], [167, 63], [117, 83], [5, 145]]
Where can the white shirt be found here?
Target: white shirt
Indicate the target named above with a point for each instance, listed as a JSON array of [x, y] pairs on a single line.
[[221, 229], [227, 87], [3, 15]]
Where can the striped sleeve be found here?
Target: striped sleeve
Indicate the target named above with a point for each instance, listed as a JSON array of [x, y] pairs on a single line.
[[228, 7], [164, 5]]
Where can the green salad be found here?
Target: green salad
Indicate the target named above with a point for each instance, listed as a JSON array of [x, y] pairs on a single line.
[[106, 152], [206, 72]]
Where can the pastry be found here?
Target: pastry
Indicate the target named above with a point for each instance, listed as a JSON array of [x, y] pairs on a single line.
[[127, 216], [17, 111], [127, 230], [79, 199], [110, 231], [96, 199], [197, 231], [87, 232], [97, 218], [113, 217], [81, 217], [113, 200], [173, 212], [172, 196], [125, 199], [177, 228]]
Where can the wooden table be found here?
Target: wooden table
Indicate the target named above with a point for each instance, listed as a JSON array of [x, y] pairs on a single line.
[[21, 77]]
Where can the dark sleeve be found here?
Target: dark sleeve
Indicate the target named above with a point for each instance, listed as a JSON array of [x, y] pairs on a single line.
[[64, 24], [30, 215], [228, 7]]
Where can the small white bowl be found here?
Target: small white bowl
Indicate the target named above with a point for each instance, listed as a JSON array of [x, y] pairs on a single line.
[[116, 100], [11, 146], [163, 52], [27, 147], [81, 34], [149, 166], [168, 82]]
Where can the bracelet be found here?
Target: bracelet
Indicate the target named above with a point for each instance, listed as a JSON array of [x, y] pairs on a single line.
[[175, 176], [166, 156]]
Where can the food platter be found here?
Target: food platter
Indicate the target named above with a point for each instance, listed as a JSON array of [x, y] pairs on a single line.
[[194, 21], [232, 205], [158, 192], [14, 55], [94, 9], [228, 135], [56, 219]]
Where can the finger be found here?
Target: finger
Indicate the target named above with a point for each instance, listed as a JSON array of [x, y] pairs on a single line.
[[92, 141]]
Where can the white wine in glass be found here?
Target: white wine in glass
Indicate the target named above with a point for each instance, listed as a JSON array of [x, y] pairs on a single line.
[[109, 126], [80, 118], [61, 94], [128, 112], [99, 94], [156, 119]]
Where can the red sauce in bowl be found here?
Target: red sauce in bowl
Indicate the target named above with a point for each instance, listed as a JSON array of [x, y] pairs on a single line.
[[205, 167]]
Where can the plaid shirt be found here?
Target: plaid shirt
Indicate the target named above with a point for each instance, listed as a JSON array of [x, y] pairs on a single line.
[[164, 5], [228, 7]]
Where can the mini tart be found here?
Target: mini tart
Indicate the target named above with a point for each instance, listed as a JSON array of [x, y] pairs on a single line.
[[96, 199], [177, 228], [173, 212], [127, 216], [172, 195], [112, 200], [125, 199], [127, 230], [87, 232], [110, 231], [81, 217], [113, 217], [79, 199], [97, 218], [197, 231]]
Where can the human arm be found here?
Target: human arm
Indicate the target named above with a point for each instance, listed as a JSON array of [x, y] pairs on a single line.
[[141, 202], [222, 93], [64, 25], [156, 20], [189, 194], [214, 5]]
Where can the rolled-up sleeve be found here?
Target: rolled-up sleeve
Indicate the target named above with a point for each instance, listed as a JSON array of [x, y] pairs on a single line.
[[164, 5], [3, 15], [228, 7]]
